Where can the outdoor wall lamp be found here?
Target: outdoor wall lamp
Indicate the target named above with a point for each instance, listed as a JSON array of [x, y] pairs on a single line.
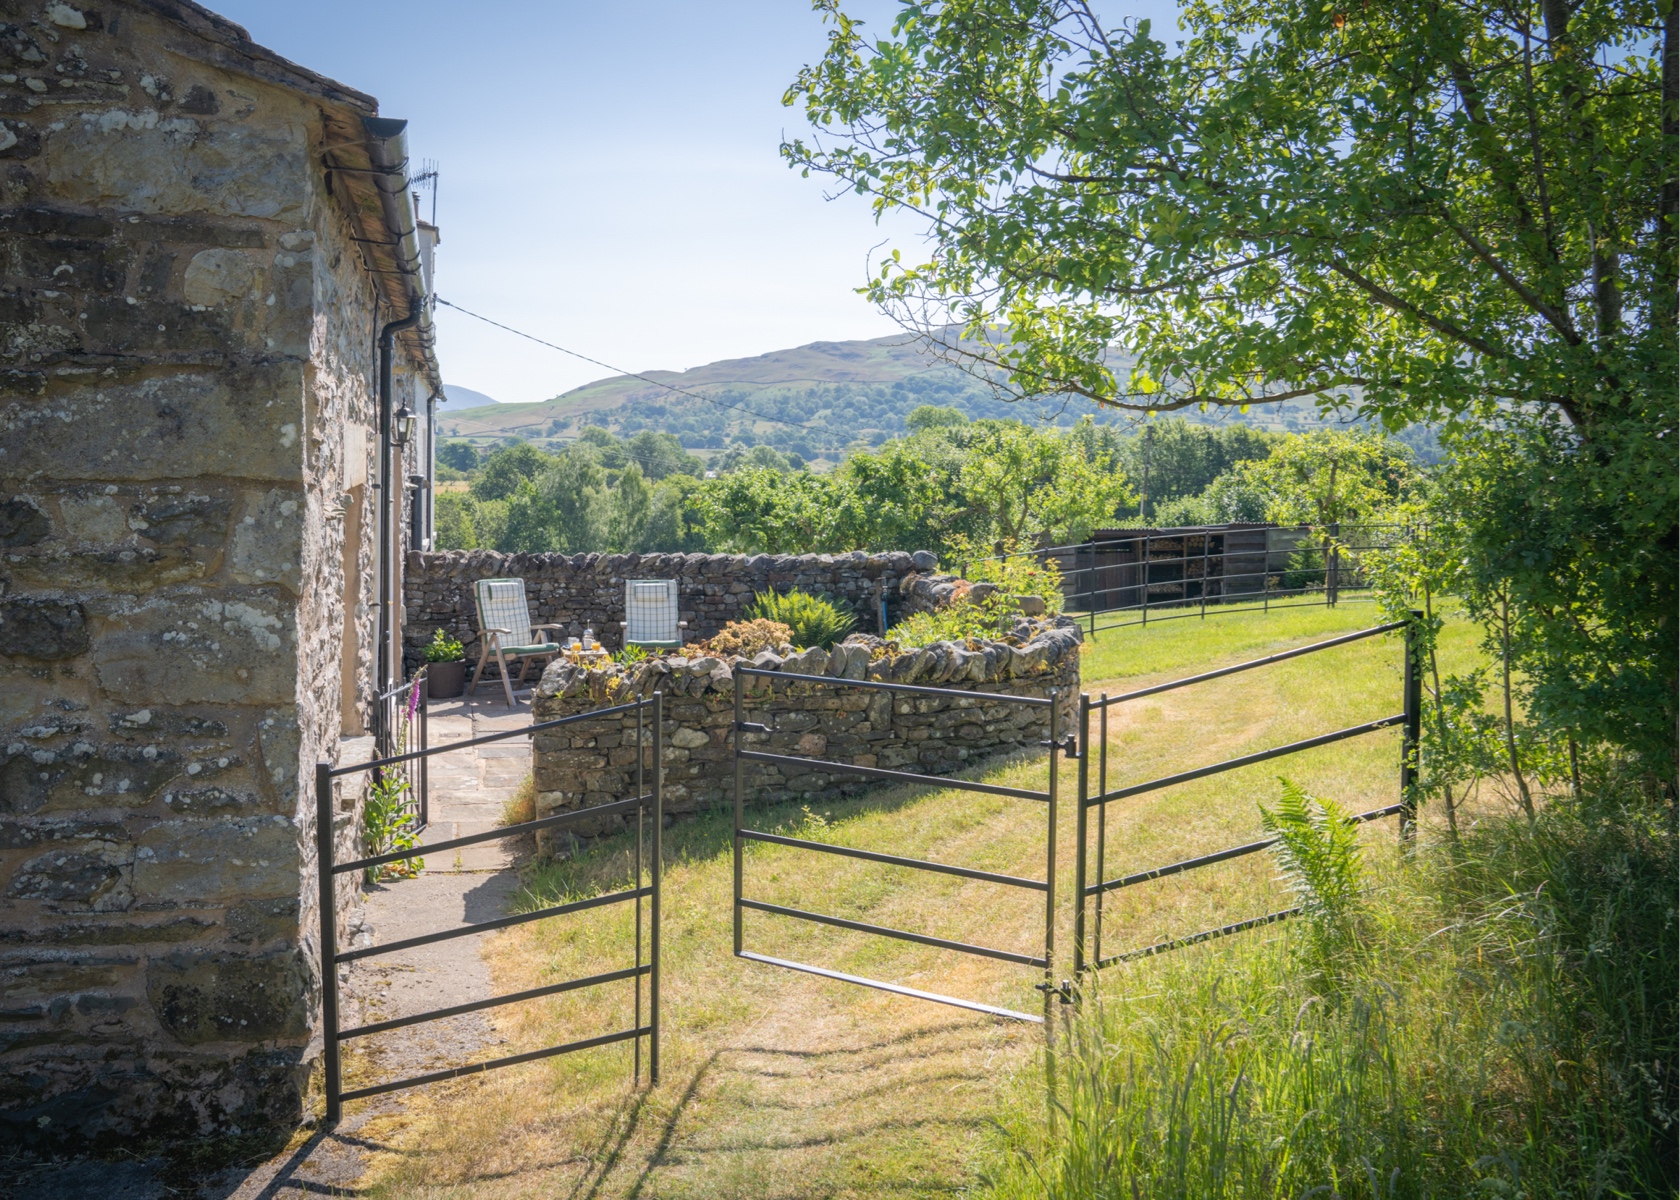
[[403, 422]]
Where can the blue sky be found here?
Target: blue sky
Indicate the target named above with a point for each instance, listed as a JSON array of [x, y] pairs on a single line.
[[609, 172]]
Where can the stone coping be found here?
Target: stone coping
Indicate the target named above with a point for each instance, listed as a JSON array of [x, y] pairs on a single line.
[[1031, 649]]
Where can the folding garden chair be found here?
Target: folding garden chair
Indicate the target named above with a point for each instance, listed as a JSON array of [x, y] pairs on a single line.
[[505, 630], [650, 611]]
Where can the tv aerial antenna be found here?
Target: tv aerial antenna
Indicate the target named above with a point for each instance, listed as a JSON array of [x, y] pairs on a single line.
[[427, 178]]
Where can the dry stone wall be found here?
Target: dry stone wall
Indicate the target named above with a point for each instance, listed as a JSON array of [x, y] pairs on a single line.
[[595, 762], [587, 590]]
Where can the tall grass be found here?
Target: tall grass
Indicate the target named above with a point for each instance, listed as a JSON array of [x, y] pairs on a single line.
[[1507, 1029]]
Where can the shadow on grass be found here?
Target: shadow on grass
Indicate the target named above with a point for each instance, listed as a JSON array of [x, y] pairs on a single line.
[[615, 1147]]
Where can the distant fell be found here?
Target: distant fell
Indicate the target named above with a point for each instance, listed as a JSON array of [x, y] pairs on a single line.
[[456, 398], [819, 401]]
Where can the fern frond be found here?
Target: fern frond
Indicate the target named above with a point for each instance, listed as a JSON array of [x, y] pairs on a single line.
[[1322, 861]]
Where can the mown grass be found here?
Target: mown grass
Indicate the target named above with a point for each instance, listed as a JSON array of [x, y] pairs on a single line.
[[1194, 642], [779, 1084]]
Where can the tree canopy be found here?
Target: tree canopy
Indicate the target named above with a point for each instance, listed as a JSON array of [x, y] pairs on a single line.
[[1444, 207]]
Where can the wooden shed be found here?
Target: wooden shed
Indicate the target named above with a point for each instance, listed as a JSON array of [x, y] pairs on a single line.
[[1117, 568]]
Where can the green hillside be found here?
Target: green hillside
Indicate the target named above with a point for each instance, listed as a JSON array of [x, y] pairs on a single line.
[[816, 401]]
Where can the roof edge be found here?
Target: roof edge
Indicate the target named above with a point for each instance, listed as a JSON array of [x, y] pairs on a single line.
[[234, 50]]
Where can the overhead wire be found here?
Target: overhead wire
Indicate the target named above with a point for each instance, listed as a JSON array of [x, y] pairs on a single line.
[[620, 371]]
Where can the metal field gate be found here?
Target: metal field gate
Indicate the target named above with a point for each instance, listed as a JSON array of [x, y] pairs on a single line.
[[1039, 957], [647, 805], [1089, 896]]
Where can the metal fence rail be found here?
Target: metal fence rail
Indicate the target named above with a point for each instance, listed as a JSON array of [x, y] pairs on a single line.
[[1087, 893], [743, 835], [1210, 581], [1336, 584], [647, 803]]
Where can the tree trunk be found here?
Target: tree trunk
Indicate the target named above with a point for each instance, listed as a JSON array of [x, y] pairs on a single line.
[[1510, 728]]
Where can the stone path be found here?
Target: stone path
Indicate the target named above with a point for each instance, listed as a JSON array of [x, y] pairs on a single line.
[[468, 791]]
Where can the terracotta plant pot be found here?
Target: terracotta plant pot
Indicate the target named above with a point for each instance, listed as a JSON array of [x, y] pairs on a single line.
[[446, 679]]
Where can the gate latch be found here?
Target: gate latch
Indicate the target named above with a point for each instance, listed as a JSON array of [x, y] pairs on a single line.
[[1064, 992], [1069, 745], [752, 727]]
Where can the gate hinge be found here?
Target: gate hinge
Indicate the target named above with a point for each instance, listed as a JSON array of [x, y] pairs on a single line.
[[752, 727], [1064, 991], [1069, 745]]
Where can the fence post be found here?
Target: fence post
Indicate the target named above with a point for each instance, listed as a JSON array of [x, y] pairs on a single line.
[[1102, 829], [1050, 860], [658, 854], [1081, 832], [1091, 587], [326, 901], [740, 713], [1146, 549], [641, 839], [425, 777], [1412, 707], [1206, 538]]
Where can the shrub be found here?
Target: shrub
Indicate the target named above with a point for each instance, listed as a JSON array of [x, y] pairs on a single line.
[[444, 648], [953, 623], [745, 638], [813, 620], [1013, 575], [1018, 573]]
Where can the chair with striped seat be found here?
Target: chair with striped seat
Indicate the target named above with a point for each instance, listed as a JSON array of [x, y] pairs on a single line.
[[505, 630], [650, 612]]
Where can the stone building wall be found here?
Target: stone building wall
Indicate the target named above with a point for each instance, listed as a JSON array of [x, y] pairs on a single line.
[[186, 342], [595, 762], [587, 590]]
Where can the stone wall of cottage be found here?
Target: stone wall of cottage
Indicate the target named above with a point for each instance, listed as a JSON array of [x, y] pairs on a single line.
[[587, 590], [595, 761], [186, 343]]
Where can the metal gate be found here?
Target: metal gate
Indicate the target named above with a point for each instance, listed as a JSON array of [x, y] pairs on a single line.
[[1048, 797], [647, 803], [1089, 894]]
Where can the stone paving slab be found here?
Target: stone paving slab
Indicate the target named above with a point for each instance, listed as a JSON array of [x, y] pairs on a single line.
[[471, 788]]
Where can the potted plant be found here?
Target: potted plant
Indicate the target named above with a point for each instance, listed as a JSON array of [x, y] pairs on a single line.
[[446, 667]]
